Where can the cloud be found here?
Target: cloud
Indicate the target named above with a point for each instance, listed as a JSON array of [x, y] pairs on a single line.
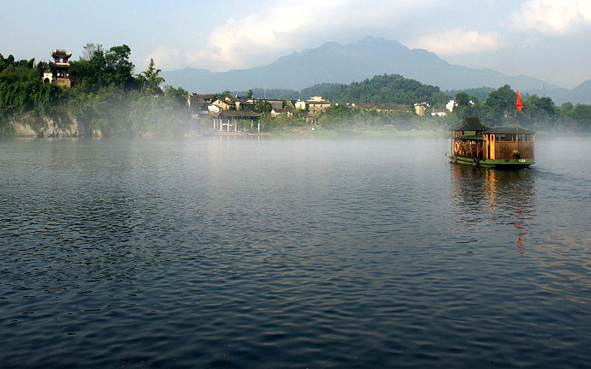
[[552, 16], [276, 28], [246, 41], [459, 41], [166, 58]]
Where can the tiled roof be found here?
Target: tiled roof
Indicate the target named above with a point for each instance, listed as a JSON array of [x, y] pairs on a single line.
[[472, 124]]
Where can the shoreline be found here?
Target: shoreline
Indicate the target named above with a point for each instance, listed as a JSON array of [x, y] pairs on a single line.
[[299, 132]]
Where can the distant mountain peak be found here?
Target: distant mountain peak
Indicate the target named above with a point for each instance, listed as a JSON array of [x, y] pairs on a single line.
[[376, 40], [335, 63], [330, 44], [193, 70]]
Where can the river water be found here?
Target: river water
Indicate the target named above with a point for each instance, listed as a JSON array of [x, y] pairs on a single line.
[[227, 252]]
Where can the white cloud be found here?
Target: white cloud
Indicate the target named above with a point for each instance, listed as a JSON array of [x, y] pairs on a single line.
[[278, 28], [241, 42], [552, 16], [459, 41], [166, 58]]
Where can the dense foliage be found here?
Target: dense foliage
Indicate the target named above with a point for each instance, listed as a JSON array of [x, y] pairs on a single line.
[[494, 107], [21, 91], [106, 98], [345, 118], [498, 108], [539, 113], [477, 94], [380, 89]]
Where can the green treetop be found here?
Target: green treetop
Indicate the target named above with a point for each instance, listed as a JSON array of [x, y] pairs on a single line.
[[151, 79]]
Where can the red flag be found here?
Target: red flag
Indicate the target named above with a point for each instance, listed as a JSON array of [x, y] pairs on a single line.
[[519, 102]]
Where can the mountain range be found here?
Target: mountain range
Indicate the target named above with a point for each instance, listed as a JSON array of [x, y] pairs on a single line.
[[336, 63]]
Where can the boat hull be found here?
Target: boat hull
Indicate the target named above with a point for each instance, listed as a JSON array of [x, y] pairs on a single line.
[[492, 163]]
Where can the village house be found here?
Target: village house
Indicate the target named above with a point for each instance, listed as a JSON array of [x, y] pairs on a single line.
[[451, 105], [232, 120], [224, 104], [316, 104], [449, 108], [421, 108], [300, 105], [238, 102], [277, 105], [439, 112], [198, 104], [287, 111], [213, 109]]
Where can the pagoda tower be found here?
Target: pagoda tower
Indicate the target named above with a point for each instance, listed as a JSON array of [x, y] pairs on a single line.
[[60, 57], [47, 75]]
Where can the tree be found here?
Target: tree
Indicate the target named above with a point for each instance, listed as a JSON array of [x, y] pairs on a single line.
[[582, 115], [90, 49], [463, 105], [176, 95], [380, 89], [500, 105], [150, 78], [566, 108], [338, 117], [89, 72], [99, 68], [539, 111], [120, 69], [249, 95], [262, 106]]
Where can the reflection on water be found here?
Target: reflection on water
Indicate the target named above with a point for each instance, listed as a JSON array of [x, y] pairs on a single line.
[[521, 231], [477, 187], [505, 197]]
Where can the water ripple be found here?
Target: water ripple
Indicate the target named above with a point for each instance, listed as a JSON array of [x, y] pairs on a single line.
[[288, 253]]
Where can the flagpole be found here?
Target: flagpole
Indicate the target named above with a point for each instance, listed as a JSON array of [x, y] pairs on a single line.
[[519, 106]]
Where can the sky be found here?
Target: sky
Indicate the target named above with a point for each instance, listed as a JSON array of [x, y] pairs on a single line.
[[547, 39]]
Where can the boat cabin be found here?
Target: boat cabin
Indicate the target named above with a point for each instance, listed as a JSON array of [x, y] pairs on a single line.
[[509, 143], [475, 143]]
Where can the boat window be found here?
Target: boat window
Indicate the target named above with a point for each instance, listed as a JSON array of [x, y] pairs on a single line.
[[525, 137]]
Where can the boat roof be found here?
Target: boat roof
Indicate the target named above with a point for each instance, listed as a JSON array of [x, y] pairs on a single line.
[[509, 130], [472, 124]]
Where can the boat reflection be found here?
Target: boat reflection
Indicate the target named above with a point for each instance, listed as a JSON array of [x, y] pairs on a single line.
[[502, 197]]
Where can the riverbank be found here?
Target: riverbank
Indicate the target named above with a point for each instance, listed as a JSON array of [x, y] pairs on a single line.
[[48, 128], [318, 131]]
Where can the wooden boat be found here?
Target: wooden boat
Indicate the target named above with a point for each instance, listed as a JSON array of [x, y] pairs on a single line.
[[500, 147]]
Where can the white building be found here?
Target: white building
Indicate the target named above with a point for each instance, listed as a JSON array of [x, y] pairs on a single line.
[[450, 105]]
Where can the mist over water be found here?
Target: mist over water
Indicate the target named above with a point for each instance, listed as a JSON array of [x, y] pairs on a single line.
[[293, 253]]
